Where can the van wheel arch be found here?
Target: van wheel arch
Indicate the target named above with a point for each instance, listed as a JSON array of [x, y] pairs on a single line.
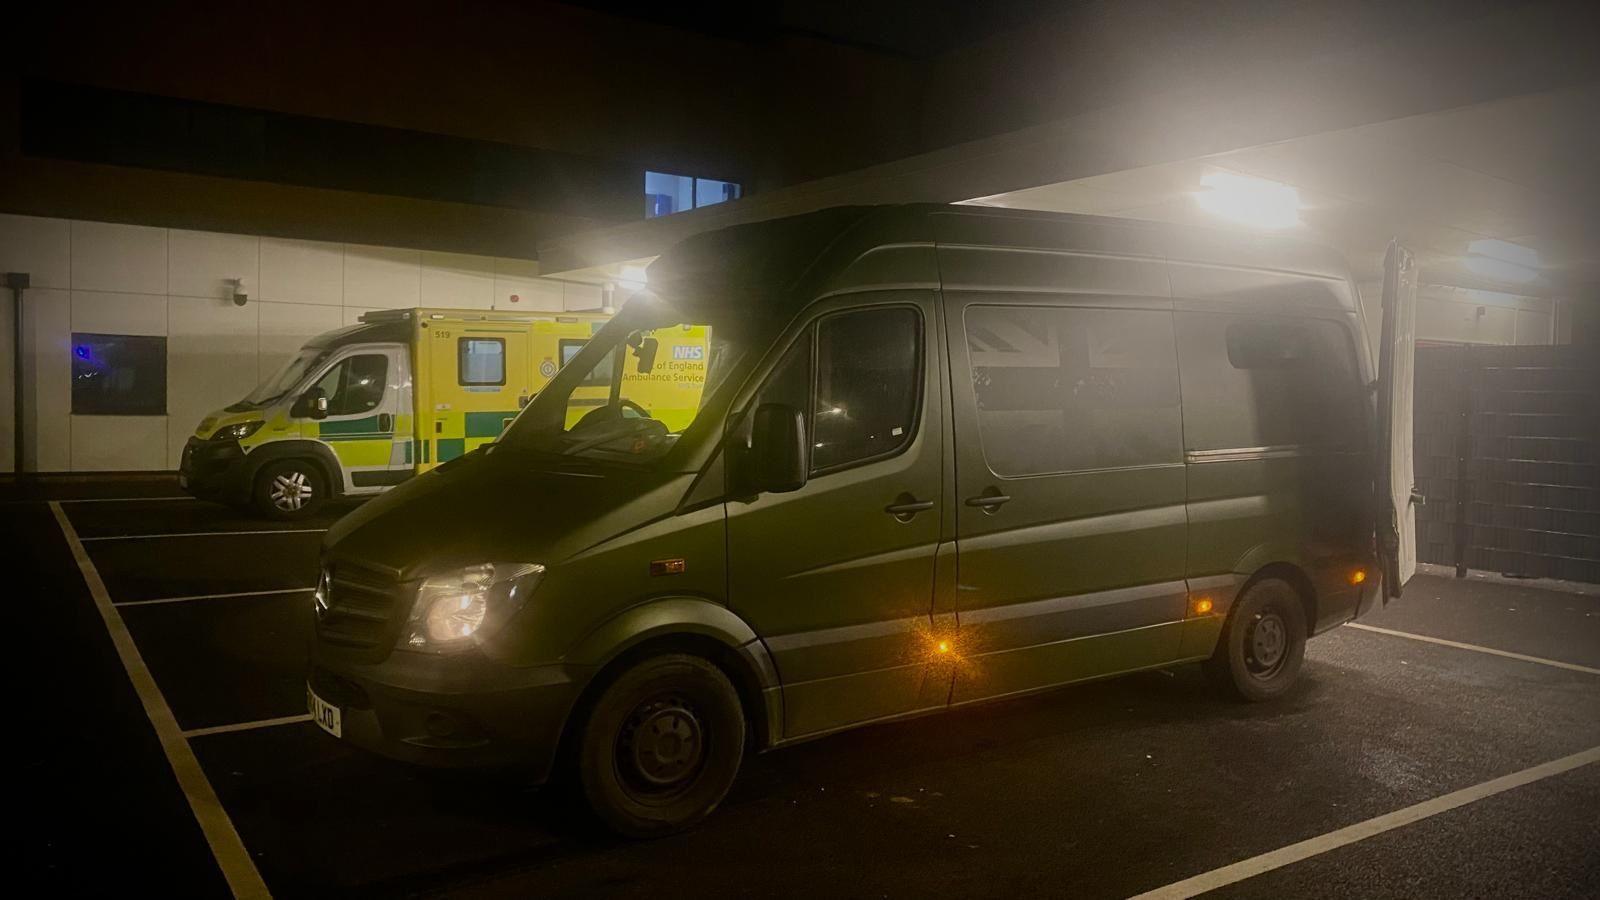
[[746, 682], [1297, 578]]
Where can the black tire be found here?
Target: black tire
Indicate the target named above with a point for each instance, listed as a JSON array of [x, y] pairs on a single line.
[[271, 494], [691, 714], [1263, 643]]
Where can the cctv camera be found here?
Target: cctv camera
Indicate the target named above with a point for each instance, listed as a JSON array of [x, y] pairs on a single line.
[[240, 298]]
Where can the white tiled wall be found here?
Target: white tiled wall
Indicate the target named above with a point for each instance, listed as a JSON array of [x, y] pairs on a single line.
[[130, 279], [302, 272], [381, 277], [1467, 316], [455, 279], [130, 258]]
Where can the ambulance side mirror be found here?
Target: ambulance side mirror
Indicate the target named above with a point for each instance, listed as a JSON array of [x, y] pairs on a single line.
[[312, 404]]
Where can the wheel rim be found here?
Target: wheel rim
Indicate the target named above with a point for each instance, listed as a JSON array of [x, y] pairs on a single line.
[[291, 491], [662, 747], [1266, 644]]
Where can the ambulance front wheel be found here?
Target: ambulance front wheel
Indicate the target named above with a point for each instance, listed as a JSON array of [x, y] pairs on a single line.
[[289, 489]]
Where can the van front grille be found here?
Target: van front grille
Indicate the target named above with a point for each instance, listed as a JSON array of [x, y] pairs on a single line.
[[362, 605]]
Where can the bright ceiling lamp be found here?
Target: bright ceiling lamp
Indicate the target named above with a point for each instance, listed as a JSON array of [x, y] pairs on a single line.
[[1255, 202], [1502, 261], [632, 278]]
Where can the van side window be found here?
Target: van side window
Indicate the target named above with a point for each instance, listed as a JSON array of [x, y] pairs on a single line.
[[864, 399], [790, 380], [869, 374], [480, 361], [1269, 382], [1071, 389], [355, 385]]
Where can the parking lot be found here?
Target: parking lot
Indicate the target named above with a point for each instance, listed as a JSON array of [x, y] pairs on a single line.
[[1102, 790]]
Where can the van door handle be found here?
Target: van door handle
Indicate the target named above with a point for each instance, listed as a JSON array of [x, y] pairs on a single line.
[[989, 501], [385, 422], [906, 506]]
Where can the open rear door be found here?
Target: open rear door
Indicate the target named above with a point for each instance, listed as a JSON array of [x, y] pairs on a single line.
[[1397, 496]]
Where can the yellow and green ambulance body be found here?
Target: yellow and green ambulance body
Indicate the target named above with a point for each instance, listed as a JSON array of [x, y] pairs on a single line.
[[363, 408]]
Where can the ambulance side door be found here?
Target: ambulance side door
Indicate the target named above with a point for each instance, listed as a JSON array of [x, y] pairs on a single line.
[[367, 389], [478, 371]]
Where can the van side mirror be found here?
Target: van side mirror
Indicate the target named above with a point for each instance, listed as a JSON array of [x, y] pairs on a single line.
[[312, 404], [777, 458]]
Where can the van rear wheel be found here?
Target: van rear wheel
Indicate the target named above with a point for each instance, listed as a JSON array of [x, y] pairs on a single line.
[[289, 489], [1263, 644], [661, 746]]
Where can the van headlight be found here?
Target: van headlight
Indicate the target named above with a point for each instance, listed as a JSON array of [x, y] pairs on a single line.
[[237, 432], [450, 610]]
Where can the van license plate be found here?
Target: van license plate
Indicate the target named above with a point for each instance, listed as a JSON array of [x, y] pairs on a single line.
[[325, 714]]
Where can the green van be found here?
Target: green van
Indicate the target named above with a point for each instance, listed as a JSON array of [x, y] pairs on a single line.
[[943, 455]]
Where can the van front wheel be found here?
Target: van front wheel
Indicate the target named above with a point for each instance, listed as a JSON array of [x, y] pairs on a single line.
[[289, 489], [1263, 643], [661, 746]]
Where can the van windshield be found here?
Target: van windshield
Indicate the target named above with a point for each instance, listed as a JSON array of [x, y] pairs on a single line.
[[639, 384], [283, 380]]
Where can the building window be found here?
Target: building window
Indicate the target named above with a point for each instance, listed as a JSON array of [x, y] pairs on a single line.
[[119, 375], [666, 194], [481, 361]]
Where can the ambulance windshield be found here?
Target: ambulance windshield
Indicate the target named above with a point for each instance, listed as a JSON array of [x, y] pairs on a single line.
[[634, 389], [283, 380]]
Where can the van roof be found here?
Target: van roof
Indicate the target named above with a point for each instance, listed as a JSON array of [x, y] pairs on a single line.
[[771, 259]]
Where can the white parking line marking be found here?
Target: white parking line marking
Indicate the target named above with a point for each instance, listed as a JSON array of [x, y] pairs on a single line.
[[226, 847], [1277, 859], [247, 726], [304, 590], [190, 534], [1556, 663]]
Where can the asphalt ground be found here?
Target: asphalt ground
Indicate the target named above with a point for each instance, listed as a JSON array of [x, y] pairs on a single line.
[[1101, 790]]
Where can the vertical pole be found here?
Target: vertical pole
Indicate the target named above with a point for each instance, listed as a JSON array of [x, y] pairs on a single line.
[[17, 282], [1468, 382]]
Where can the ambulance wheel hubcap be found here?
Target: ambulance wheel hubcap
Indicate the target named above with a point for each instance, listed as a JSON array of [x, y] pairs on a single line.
[[291, 490]]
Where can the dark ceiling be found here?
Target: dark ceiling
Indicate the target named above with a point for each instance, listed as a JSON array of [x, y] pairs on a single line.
[[917, 29]]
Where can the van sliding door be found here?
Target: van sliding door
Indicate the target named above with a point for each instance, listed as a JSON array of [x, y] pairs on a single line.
[[1070, 489]]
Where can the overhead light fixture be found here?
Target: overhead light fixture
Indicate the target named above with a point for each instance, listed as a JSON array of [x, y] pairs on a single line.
[[1255, 202], [1502, 261], [632, 278]]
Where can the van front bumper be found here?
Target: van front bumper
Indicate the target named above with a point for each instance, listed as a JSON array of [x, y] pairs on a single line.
[[455, 711], [214, 470]]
